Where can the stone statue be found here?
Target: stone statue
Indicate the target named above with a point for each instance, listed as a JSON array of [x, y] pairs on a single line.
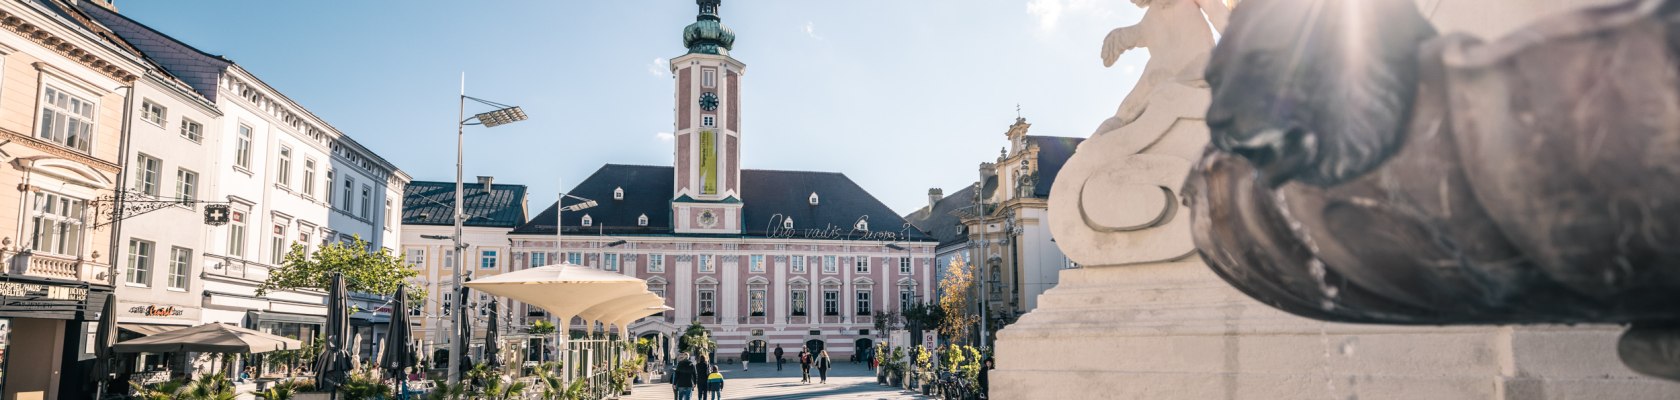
[[1364, 168], [1178, 41], [1115, 202]]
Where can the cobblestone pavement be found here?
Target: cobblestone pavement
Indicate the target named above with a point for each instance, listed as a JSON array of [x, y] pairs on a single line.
[[845, 381]]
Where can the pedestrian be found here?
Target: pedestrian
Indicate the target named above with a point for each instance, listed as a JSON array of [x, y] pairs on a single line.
[[822, 366], [682, 381], [778, 357], [714, 383], [984, 382], [804, 365], [744, 367], [699, 378]]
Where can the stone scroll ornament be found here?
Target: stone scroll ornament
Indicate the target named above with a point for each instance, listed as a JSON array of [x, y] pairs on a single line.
[[1364, 168], [1116, 200]]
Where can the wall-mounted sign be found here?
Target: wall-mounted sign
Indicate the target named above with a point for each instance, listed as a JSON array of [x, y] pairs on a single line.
[[758, 332], [776, 229], [216, 214], [39, 291], [708, 162], [149, 310]]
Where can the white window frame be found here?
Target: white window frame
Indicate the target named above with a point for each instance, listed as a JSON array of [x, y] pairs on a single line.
[[706, 263], [349, 193], [367, 201], [831, 301], [706, 301], [65, 220], [489, 259], [277, 244], [862, 264], [587, 220], [904, 267], [755, 263], [236, 233], [539, 258], [798, 264], [308, 176], [642, 220], [656, 263], [417, 258], [242, 147], [574, 258], [609, 261], [152, 112], [150, 176], [708, 77], [757, 296], [448, 259], [283, 166], [141, 253], [186, 186], [708, 121], [52, 116], [799, 299], [831, 265], [862, 299], [180, 268], [192, 130]]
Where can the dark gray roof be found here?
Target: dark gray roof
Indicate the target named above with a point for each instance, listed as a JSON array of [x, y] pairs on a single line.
[[1053, 152], [431, 203], [941, 220], [765, 194]]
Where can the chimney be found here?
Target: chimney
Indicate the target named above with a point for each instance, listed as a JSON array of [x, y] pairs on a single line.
[[486, 181], [934, 195]]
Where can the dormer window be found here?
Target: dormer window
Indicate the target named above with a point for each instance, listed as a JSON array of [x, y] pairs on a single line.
[[813, 198], [587, 221], [862, 225], [642, 220], [787, 223], [618, 194]]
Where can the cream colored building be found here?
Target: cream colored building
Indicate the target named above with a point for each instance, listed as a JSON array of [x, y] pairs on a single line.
[[492, 210]]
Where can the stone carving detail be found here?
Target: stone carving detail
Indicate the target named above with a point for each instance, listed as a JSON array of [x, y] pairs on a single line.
[[1364, 168], [1116, 201]]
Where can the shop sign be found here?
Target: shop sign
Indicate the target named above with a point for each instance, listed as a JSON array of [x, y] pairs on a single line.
[[39, 292], [158, 310]]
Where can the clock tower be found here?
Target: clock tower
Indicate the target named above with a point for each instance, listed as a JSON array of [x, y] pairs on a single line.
[[707, 193]]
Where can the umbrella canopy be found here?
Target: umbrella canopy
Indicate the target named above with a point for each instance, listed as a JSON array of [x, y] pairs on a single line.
[[606, 312], [563, 290], [492, 356], [208, 338], [623, 320], [102, 342], [335, 364], [399, 353]]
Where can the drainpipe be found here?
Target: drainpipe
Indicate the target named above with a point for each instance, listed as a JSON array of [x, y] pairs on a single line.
[[122, 177]]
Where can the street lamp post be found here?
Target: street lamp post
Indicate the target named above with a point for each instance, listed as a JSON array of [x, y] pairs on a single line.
[[563, 329], [504, 114]]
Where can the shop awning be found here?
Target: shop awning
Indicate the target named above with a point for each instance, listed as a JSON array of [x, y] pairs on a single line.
[[148, 329]]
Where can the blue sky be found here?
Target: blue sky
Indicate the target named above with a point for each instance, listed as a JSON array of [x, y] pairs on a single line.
[[899, 95]]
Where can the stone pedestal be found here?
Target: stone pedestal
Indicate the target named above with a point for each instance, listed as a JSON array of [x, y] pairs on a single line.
[[1174, 330]]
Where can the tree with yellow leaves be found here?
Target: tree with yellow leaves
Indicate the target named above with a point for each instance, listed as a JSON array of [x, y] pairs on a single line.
[[956, 301]]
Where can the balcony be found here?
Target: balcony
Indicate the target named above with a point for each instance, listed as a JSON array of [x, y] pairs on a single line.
[[59, 267]]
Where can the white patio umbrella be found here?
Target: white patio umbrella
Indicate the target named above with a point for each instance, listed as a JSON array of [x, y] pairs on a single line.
[[607, 312], [564, 290]]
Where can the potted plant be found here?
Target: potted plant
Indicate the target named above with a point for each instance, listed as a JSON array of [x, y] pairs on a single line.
[[880, 366]]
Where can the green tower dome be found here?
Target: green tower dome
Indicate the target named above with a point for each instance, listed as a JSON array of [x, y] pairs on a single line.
[[707, 35]]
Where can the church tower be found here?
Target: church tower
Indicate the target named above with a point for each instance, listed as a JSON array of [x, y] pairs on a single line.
[[707, 196]]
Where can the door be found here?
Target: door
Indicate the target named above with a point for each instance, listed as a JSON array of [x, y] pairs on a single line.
[[755, 351], [814, 346]]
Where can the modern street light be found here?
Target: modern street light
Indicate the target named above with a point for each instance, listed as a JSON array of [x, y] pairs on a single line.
[[504, 114]]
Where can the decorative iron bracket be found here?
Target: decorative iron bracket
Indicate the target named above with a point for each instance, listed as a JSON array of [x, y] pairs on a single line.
[[123, 204]]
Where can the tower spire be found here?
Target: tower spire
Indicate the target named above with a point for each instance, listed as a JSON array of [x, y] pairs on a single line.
[[707, 35]]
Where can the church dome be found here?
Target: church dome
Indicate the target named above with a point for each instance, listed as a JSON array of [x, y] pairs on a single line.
[[708, 35]]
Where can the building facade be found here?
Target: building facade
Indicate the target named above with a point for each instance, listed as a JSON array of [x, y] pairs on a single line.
[[286, 177], [492, 210], [63, 92], [999, 226], [763, 258]]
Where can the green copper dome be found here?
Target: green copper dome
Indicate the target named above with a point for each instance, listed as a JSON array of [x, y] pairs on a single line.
[[707, 35]]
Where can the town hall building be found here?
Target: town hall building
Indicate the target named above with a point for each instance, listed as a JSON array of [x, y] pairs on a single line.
[[763, 258]]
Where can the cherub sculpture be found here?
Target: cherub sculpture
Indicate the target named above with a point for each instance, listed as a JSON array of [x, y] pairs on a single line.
[[1178, 40]]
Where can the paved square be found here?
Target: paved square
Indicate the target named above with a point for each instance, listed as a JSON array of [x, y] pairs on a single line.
[[845, 381]]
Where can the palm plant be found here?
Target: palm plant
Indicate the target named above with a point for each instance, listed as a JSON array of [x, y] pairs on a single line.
[[159, 391], [210, 387], [447, 391], [498, 389], [280, 391], [552, 387]]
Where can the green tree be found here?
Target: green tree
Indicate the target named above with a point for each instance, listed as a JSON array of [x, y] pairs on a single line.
[[365, 270]]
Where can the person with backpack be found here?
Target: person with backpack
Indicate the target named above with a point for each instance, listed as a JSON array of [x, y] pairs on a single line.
[[682, 380], [823, 363], [714, 383], [804, 365]]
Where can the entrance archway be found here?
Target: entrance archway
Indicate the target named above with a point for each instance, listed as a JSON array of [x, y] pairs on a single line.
[[755, 351], [814, 346], [865, 348]]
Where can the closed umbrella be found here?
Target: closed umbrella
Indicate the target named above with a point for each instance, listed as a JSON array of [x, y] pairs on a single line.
[[399, 353], [335, 361], [491, 350], [102, 343]]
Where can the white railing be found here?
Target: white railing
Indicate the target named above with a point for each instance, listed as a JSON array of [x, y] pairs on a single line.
[[236, 268], [60, 267]]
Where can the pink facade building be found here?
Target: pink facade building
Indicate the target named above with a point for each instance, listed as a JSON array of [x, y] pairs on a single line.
[[762, 258]]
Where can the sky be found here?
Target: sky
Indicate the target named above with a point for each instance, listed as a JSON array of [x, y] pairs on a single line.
[[901, 96]]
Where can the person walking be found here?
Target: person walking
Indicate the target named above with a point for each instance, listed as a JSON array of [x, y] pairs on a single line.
[[701, 367], [778, 357], [744, 367], [804, 365], [823, 363], [682, 380], [985, 382], [714, 383]]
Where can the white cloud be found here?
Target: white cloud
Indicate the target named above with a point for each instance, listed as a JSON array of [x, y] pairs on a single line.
[[1050, 12], [810, 29], [1130, 69], [659, 67], [664, 136]]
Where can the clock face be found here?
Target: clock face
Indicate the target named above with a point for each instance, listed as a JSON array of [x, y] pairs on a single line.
[[708, 219], [708, 101]]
